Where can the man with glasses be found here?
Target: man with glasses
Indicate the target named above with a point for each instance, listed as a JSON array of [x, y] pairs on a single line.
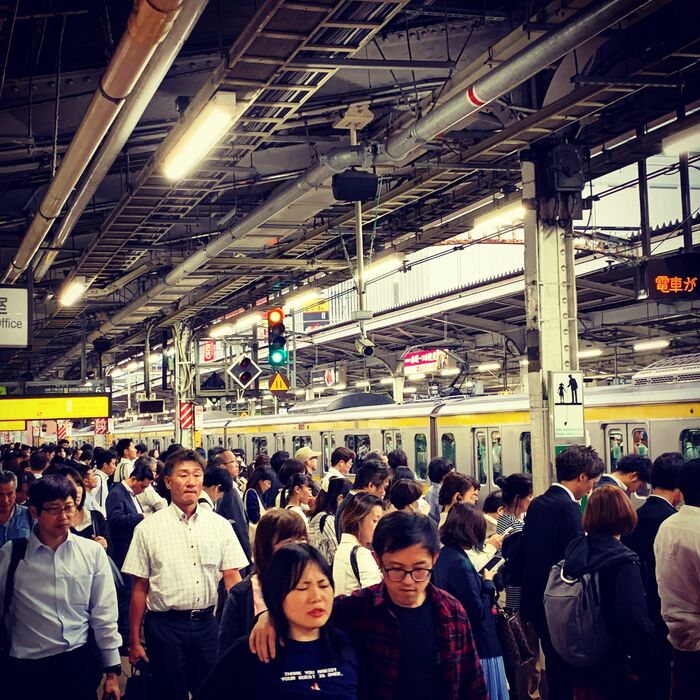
[[417, 638], [63, 589]]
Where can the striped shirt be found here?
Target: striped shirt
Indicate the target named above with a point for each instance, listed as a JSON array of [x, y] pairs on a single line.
[[507, 521]]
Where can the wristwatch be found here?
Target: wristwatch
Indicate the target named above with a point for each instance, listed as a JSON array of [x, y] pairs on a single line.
[[116, 670]]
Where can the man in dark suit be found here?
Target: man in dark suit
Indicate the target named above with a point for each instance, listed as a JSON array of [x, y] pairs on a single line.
[[231, 505], [553, 520], [631, 472], [124, 513], [661, 504]]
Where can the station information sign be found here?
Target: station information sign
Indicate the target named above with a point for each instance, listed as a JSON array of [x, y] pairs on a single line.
[[15, 317], [70, 406], [420, 361], [13, 425], [674, 278]]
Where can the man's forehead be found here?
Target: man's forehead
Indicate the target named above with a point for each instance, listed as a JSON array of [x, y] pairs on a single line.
[[407, 557]]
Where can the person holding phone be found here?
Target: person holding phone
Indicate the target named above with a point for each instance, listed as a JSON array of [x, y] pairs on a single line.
[[454, 572]]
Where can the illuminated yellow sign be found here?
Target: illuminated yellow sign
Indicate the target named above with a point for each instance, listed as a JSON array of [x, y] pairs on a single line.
[[54, 407], [13, 425]]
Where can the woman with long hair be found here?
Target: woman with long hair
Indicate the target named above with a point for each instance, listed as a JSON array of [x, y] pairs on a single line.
[[313, 658], [276, 528], [454, 572], [300, 494], [259, 483]]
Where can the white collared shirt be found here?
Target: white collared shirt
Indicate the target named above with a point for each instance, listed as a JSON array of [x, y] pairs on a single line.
[[58, 595], [621, 484], [150, 501], [183, 558], [344, 577], [677, 552], [100, 492], [561, 486], [332, 473], [134, 498]]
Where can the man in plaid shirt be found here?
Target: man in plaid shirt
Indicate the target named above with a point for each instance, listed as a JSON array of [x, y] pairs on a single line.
[[413, 639]]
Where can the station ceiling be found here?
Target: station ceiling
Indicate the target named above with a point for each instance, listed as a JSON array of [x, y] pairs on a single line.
[[300, 66]]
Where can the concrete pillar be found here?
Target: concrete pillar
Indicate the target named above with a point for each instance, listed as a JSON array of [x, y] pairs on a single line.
[[184, 373]]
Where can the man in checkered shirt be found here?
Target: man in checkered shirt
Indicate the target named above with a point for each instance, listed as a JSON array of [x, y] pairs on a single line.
[[177, 557]]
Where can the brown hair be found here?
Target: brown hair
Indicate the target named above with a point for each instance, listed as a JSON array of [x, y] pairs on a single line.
[[609, 511], [465, 527], [275, 525], [454, 483], [358, 509]]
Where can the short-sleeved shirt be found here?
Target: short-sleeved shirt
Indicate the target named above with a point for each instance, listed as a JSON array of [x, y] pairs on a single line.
[[183, 558]]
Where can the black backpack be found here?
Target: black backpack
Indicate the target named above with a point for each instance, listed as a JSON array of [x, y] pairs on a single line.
[[512, 551]]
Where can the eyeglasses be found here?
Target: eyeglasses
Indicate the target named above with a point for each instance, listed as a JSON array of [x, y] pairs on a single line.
[[57, 510], [398, 575]]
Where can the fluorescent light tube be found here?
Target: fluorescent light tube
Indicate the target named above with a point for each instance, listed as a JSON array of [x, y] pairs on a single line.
[[72, 292], [589, 352], [302, 297], [202, 134], [383, 265], [450, 371], [220, 330], [653, 344], [489, 367]]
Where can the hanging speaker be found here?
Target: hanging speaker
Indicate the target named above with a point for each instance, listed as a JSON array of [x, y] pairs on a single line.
[[355, 186]]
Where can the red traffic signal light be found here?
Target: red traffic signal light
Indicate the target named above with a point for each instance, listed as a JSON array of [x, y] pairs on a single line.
[[275, 317]]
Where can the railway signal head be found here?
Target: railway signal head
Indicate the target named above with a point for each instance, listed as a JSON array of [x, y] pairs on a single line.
[[244, 371], [276, 338]]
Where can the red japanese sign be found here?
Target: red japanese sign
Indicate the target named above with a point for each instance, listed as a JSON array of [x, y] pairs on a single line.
[[674, 278], [209, 350]]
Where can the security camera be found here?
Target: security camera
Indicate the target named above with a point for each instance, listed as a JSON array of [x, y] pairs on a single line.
[[365, 346]]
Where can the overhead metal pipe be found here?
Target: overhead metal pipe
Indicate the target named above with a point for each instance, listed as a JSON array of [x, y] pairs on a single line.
[[124, 125], [516, 70], [579, 29], [148, 24]]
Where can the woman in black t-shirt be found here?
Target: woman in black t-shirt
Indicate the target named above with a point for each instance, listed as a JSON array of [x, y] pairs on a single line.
[[314, 660]]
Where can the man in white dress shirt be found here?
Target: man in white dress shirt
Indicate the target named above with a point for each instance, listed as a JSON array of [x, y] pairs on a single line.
[[677, 552], [105, 466], [341, 464], [177, 557], [63, 588]]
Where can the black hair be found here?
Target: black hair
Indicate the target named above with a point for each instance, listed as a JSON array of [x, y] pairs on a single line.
[[515, 488], [104, 457], [404, 492], [465, 527], [278, 459], [178, 457], [218, 476], [142, 448], [8, 477], [260, 474], [142, 470], [38, 461], [665, 471], [493, 501], [52, 487], [239, 452], [404, 473], [327, 501], [74, 474], [122, 445], [689, 482], [371, 472], [438, 469], [576, 460], [299, 480], [342, 454], [635, 463], [282, 576], [288, 468], [397, 458], [397, 531], [455, 483]]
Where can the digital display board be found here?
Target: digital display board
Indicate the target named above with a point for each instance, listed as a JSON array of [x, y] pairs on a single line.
[[53, 407], [13, 425], [674, 278]]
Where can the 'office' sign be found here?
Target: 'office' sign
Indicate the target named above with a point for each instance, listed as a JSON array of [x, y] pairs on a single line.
[[15, 317]]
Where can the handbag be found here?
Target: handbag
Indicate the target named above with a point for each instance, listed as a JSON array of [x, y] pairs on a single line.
[[138, 684], [514, 645]]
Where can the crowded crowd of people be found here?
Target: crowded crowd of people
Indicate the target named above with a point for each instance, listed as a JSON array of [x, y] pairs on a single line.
[[220, 579]]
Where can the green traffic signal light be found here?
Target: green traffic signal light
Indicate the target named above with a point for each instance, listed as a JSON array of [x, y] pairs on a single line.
[[277, 357]]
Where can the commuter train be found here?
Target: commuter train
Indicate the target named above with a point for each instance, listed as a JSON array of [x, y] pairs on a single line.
[[484, 436]]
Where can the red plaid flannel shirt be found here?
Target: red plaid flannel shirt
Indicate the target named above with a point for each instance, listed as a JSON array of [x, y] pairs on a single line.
[[367, 617]]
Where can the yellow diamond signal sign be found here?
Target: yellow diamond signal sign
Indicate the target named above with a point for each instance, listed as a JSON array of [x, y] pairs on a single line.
[[279, 384]]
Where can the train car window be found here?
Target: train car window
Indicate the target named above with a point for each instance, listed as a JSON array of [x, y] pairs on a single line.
[[449, 448], [399, 441], [327, 450], [690, 444], [616, 446], [525, 453], [496, 453], [420, 444], [259, 445], [481, 455], [299, 441], [640, 442], [388, 441], [361, 445]]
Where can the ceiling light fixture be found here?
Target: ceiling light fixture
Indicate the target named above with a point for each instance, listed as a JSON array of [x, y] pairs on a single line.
[[386, 380], [303, 296], [201, 134], [410, 390], [72, 291], [506, 216], [416, 377], [246, 321], [652, 344], [384, 264], [589, 352], [450, 372], [488, 367], [362, 384], [685, 141], [220, 330]]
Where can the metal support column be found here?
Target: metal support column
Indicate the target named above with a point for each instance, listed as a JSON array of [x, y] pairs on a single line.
[[360, 248], [643, 186], [399, 381], [550, 294], [183, 381]]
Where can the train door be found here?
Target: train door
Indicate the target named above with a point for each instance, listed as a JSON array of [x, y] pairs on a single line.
[[327, 447], [627, 438], [488, 456], [391, 440]]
